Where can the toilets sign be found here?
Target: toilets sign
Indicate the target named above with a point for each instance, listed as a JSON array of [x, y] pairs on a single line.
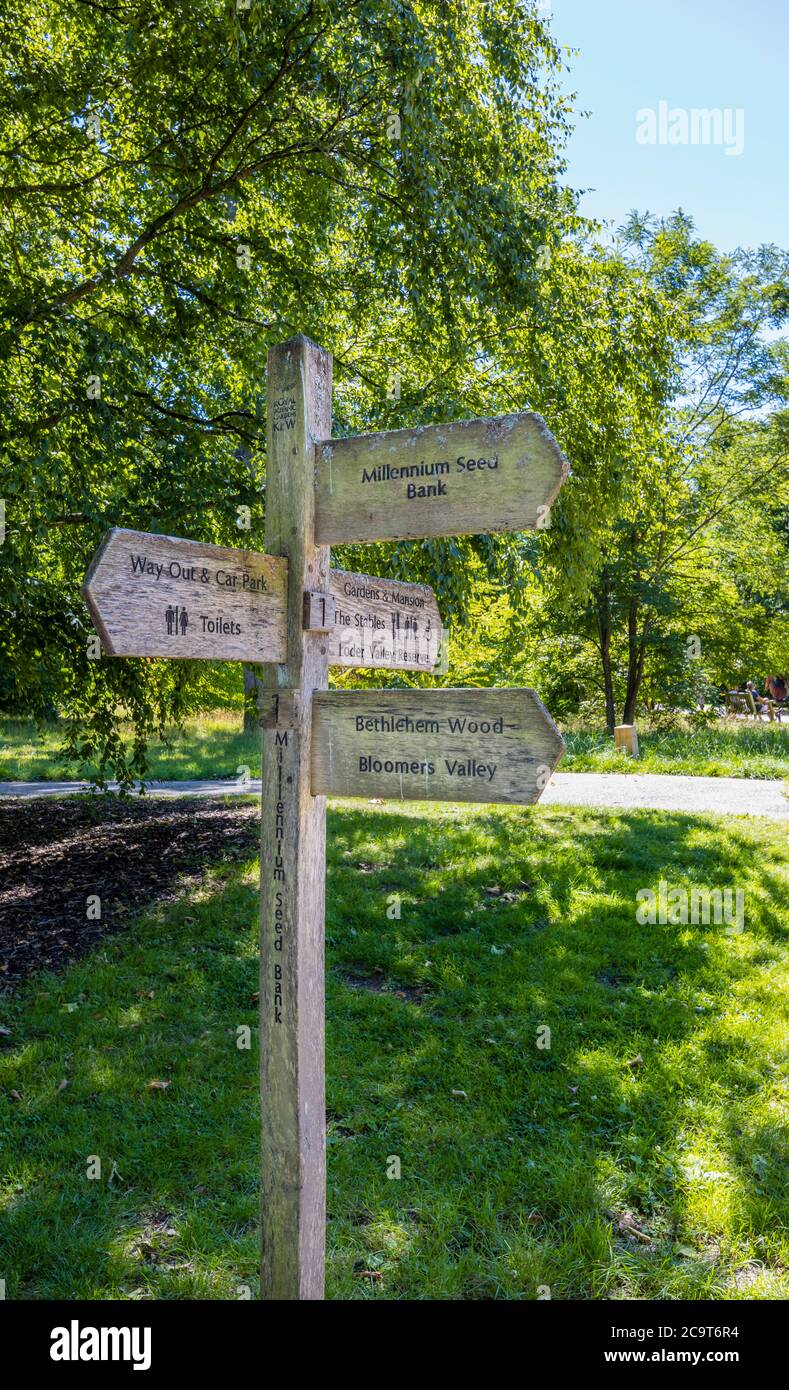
[[154, 595], [288, 611]]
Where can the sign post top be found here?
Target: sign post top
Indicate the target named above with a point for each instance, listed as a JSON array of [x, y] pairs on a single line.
[[298, 342]]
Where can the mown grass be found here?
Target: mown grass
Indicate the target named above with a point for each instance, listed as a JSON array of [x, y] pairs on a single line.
[[215, 746], [729, 749], [642, 1155], [209, 746]]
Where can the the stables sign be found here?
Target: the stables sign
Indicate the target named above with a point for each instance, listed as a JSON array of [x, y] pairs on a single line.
[[383, 623], [156, 595]]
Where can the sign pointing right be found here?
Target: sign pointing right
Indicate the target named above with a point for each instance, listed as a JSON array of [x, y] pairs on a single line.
[[383, 623], [468, 478], [433, 745]]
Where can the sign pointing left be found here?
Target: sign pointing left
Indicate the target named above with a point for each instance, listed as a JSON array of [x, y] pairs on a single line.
[[153, 595]]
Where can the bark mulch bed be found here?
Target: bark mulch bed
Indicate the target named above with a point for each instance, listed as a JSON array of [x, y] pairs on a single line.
[[54, 853]]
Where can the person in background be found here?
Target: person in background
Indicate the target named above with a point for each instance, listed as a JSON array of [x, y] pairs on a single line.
[[777, 688], [760, 701]]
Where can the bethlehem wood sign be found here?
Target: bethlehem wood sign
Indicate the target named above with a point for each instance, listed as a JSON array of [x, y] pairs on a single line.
[[432, 745], [160, 596]]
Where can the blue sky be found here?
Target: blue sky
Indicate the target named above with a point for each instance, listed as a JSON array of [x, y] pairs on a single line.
[[689, 54]]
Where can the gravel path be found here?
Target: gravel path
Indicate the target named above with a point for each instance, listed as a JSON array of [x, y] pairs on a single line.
[[221, 787], [723, 796]]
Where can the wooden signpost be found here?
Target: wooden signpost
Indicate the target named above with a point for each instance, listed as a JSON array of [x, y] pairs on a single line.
[[159, 596]]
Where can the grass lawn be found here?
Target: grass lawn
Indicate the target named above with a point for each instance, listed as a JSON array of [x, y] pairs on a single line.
[[729, 749], [640, 1156], [210, 746], [214, 746]]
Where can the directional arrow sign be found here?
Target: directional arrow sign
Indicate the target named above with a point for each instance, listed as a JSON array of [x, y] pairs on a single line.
[[471, 477], [154, 595], [433, 745], [383, 623]]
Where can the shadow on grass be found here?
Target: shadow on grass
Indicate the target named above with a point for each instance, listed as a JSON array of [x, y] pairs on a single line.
[[522, 1164], [580, 1156], [173, 1210]]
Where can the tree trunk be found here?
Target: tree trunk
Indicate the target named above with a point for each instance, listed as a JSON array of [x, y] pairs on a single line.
[[604, 632], [633, 682], [250, 700], [636, 653]]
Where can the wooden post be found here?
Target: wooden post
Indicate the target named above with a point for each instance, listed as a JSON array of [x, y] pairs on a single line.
[[293, 847], [626, 738]]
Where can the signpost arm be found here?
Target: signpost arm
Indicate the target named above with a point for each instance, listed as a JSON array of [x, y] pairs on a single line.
[[293, 846]]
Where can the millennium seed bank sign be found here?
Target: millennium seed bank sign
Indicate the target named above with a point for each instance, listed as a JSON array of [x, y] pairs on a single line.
[[438, 480], [159, 596]]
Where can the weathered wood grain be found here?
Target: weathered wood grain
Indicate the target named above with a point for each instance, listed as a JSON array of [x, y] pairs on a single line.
[[293, 830], [151, 595], [383, 623], [469, 477], [433, 745]]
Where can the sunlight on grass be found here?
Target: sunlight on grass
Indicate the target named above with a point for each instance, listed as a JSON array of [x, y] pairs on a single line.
[[728, 749], [643, 1154], [214, 746], [210, 746]]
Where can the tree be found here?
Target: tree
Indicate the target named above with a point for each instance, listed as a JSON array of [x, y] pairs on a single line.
[[181, 186], [689, 465]]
